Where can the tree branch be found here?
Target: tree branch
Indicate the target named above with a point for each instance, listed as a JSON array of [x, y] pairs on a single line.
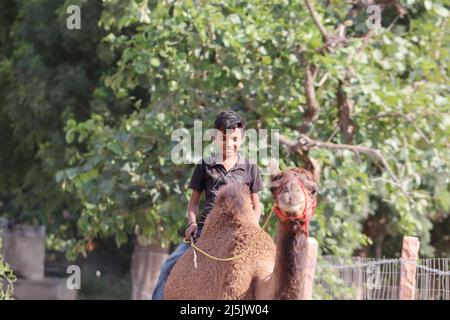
[[316, 19], [312, 107], [305, 143], [408, 117], [345, 109]]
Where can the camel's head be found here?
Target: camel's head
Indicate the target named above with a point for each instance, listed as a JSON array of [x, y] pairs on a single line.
[[295, 193]]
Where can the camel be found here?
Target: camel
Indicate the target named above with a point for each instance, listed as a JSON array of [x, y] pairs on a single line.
[[262, 270]]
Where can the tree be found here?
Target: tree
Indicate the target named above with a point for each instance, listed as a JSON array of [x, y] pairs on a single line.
[[48, 74], [369, 104]]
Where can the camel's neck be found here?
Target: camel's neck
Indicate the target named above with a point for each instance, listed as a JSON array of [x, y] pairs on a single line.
[[290, 262]]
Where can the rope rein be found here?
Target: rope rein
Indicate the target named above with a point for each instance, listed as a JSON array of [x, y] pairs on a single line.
[[304, 216], [195, 248]]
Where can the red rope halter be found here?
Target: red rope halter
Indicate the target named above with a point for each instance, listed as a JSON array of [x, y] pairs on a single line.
[[304, 216]]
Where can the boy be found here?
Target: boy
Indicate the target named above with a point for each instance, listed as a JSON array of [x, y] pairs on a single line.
[[209, 175]]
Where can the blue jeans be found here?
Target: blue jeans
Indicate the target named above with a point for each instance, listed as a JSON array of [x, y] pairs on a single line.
[[158, 292]]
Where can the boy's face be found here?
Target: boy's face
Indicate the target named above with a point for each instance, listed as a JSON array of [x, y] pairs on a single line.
[[229, 142]]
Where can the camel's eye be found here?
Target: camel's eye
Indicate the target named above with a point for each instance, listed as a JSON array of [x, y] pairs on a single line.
[[314, 191], [276, 177]]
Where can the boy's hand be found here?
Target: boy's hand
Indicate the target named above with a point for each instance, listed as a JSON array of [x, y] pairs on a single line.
[[190, 231]]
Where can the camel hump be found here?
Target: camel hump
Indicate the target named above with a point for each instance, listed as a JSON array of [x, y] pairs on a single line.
[[234, 199]]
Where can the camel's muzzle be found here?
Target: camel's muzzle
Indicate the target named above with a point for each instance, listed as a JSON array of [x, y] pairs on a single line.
[[294, 203]]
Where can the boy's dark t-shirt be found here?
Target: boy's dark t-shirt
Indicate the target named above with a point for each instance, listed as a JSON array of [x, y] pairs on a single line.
[[209, 176]]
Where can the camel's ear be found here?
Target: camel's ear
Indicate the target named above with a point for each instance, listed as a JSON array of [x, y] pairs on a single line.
[[274, 172], [273, 168], [314, 167]]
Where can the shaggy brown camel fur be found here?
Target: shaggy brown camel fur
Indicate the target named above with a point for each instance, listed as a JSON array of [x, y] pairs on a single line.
[[263, 270]]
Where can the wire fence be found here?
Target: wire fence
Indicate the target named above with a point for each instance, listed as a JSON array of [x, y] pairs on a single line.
[[433, 279], [359, 278]]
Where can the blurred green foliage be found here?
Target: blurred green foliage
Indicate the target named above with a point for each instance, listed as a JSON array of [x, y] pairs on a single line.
[[7, 278]]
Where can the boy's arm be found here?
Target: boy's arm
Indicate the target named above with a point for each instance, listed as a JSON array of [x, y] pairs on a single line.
[[255, 187], [193, 206], [256, 206]]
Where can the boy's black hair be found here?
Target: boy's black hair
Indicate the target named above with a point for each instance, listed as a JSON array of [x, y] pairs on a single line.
[[229, 120]]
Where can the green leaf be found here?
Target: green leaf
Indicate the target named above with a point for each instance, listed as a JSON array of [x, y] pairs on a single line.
[[121, 237], [140, 68], [442, 11], [237, 73], [267, 60], [155, 62], [234, 18], [70, 136], [71, 173], [377, 55], [161, 117], [60, 175]]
